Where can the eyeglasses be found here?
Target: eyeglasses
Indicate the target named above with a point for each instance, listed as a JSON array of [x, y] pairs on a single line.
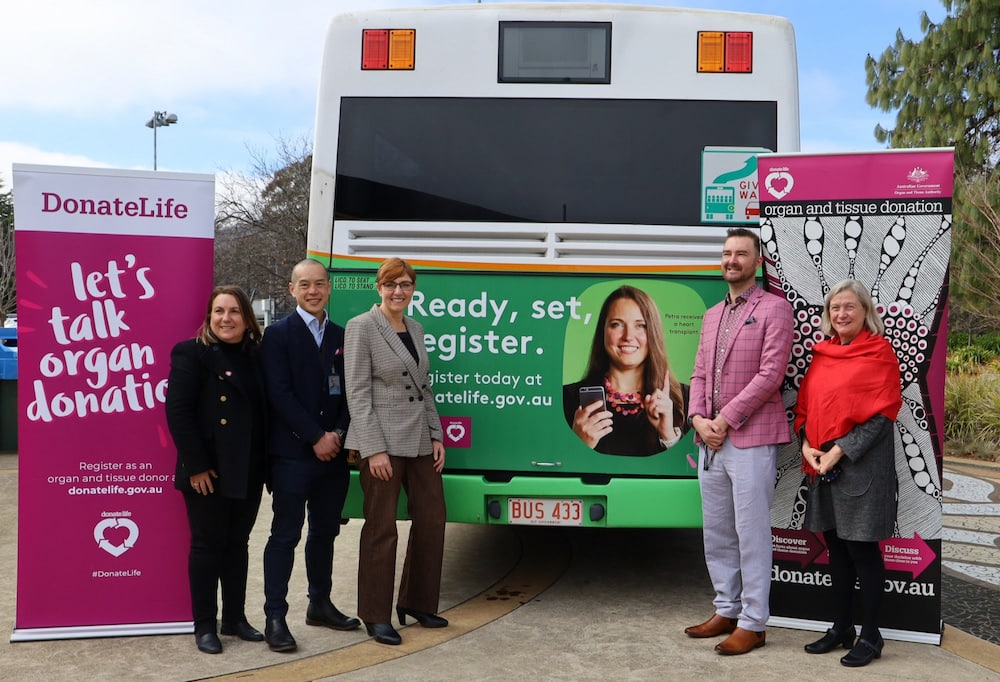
[[402, 286]]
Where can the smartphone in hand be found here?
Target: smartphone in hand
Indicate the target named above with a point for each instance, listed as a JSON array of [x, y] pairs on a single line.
[[590, 395]]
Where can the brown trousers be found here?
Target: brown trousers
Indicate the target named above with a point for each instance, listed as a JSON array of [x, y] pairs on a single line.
[[420, 584]]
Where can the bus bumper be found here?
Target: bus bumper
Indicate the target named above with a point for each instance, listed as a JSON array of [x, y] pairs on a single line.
[[619, 503]]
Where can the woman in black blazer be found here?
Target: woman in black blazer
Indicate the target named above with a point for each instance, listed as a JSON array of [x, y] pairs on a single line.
[[217, 415]]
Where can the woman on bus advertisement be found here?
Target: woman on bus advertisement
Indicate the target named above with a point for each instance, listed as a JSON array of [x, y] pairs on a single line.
[[217, 416], [845, 413], [628, 402]]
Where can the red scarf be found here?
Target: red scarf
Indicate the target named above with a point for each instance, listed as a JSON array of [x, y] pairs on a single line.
[[846, 386]]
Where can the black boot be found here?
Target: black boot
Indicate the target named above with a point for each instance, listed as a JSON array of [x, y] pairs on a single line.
[[242, 629], [322, 612], [383, 633], [427, 620], [208, 642], [277, 635]]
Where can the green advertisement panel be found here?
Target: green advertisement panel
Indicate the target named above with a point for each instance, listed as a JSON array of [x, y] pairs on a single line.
[[503, 345]]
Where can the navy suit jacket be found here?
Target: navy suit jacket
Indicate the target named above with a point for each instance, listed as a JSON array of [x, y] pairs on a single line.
[[297, 374]]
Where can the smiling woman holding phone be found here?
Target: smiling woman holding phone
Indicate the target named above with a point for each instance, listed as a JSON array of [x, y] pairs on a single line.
[[628, 403]]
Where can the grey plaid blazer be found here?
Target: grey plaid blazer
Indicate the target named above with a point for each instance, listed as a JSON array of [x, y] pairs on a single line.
[[388, 392]]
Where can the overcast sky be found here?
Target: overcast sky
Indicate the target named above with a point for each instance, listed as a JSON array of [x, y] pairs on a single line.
[[79, 78]]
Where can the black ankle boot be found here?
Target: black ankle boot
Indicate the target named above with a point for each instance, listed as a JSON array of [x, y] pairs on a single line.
[[831, 640], [427, 620]]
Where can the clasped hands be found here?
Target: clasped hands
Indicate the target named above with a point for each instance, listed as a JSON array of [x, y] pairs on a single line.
[[822, 461], [712, 431]]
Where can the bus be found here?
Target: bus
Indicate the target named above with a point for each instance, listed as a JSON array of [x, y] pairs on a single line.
[[528, 161]]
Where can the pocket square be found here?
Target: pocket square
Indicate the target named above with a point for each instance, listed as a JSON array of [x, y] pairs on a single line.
[[750, 320]]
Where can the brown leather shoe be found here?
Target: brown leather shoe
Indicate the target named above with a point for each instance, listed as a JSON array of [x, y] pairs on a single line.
[[713, 627], [740, 642]]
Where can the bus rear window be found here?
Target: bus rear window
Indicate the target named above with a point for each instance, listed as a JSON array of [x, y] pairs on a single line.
[[535, 160], [554, 52]]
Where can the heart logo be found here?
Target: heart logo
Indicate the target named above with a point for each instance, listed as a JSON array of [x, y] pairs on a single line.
[[116, 526], [779, 183], [456, 431]]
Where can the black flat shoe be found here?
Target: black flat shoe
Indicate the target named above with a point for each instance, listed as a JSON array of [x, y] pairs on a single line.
[[208, 643], [863, 653], [277, 635], [243, 630], [427, 620], [831, 640], [322, 612], [383, 633]]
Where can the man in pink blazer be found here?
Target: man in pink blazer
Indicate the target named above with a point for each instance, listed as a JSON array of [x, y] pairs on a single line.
[[736, 409]]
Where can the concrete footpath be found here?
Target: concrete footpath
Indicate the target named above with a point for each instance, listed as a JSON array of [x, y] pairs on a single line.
[[527, 603]]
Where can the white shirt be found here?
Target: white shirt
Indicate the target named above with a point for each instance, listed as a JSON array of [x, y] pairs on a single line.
[[316, 327]]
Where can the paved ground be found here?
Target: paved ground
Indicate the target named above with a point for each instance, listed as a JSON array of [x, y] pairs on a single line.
[[971, 546], [548, 604]]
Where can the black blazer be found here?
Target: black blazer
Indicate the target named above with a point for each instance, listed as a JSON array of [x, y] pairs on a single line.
[[212, 415], [297, 375]]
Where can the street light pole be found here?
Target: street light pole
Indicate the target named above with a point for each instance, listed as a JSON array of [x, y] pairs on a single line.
[[159, 120]]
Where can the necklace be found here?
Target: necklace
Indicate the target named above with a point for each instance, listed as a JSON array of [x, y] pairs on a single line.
[[625, 403]]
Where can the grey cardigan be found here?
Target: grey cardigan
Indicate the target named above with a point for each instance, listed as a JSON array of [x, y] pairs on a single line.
[[861, 502], [388, 392]]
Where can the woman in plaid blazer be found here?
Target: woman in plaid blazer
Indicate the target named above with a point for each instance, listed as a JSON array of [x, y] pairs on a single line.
[[397, 432]]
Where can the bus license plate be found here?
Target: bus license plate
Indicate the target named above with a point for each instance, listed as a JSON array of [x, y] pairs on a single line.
[[544, 512]]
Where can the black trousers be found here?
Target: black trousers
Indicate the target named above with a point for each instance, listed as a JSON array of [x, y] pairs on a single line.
[[220, 534], [303, 492]]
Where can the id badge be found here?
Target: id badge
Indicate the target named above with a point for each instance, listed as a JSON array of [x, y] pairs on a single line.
[[333, 384]]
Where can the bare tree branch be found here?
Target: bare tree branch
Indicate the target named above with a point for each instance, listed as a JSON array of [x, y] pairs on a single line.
[[261, 221]]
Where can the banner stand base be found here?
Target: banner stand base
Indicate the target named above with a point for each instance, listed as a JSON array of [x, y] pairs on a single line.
[[822, 626], [89, 631]]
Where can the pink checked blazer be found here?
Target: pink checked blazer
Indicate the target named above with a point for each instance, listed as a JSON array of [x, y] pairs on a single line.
[[752, 370]]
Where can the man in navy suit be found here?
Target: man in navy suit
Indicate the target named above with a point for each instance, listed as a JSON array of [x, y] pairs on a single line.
[[303, 361]]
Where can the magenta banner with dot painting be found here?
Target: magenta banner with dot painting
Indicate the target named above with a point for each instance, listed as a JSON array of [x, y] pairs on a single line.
[[883, 218], [113, 268]]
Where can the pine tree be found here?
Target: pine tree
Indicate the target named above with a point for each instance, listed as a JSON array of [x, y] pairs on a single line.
[[945, 87]]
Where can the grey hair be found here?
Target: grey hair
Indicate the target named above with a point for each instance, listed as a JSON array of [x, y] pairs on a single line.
[[873, 322]]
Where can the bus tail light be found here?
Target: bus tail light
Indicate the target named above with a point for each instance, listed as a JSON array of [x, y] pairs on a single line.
[[725, 52], [388, 49], [739, 52]]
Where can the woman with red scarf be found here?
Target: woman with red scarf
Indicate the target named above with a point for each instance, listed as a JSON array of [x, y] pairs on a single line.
[[847, 405]]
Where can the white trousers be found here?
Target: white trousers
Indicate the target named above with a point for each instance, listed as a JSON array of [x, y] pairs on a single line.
[[736, 493]]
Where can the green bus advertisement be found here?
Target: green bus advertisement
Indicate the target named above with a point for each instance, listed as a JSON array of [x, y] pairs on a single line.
[[532, 166]]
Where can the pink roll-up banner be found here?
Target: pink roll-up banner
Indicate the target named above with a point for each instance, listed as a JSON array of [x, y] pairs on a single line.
[[113, 268], [883, 218]]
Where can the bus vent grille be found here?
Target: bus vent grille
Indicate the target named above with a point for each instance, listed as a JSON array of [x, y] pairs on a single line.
[[562, 243]]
